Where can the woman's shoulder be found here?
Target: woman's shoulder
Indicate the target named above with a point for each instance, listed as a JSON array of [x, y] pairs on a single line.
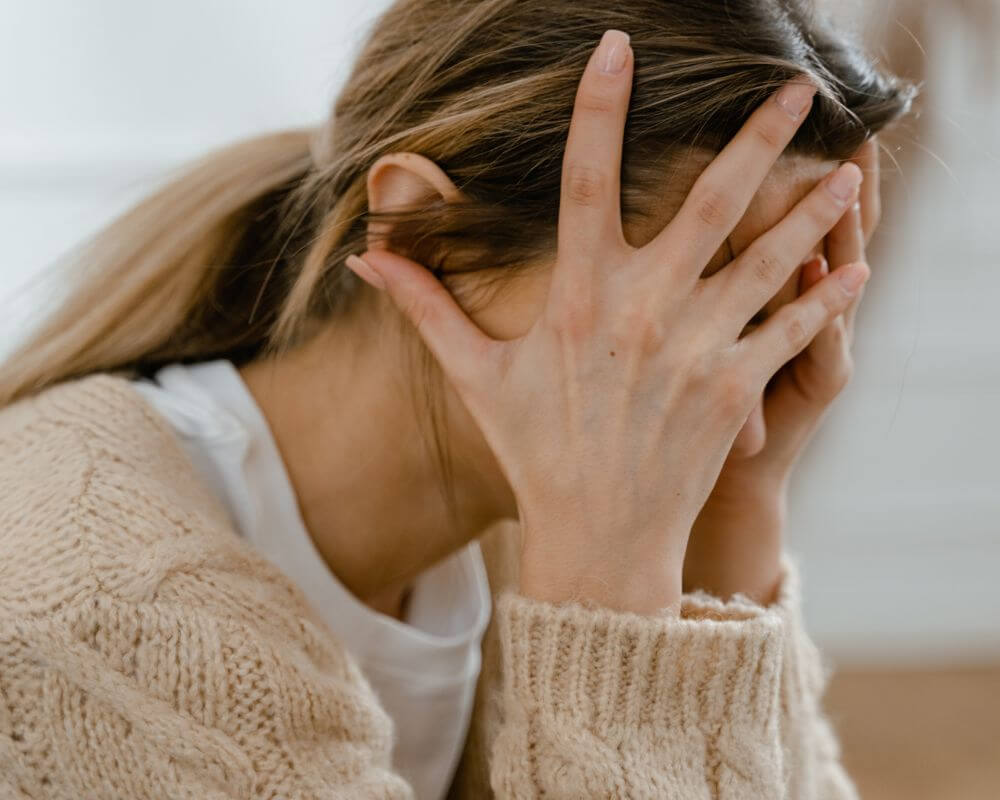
[[96, 413], [97, 496], [93, 437], [131, 607]]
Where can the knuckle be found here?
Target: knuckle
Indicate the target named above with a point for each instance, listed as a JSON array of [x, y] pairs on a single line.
[[584, 184], [727, 384], [770, 134], [594, 100], [642, 329], [575, 317], [715, 208], [701, 372], [823, 211], [796, 331], [833, 303], [768, 267], [735, 392]]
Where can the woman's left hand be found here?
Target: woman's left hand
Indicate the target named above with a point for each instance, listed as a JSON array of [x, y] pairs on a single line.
[[736, 541]]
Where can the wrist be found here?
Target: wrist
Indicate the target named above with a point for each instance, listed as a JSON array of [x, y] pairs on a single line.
[[649, 585], [736, 545], [757, 487]]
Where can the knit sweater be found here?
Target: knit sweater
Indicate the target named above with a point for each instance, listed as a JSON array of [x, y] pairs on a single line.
[[147, 651]]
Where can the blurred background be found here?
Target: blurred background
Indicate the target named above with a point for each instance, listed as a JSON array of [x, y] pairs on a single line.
[[896, 512]]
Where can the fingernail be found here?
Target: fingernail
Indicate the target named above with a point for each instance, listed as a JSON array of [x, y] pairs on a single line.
[[365, 271], [824, 267], [613, 51], [852, 276], [794, 98], [844, 182]]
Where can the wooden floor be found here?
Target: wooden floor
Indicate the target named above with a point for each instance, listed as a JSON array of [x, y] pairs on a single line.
[[919, 735]]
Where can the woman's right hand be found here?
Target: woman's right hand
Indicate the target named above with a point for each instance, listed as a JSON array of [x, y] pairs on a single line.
[[612, 416]]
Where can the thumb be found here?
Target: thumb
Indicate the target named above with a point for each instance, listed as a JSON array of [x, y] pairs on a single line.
[[457, 342]]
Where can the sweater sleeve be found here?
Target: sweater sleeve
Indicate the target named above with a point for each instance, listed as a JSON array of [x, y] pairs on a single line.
[[721, 703], [598, 703], [148, 652], [812, 768], [112, 699]]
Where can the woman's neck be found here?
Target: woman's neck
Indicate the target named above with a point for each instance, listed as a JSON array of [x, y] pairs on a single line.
[[342, 414]]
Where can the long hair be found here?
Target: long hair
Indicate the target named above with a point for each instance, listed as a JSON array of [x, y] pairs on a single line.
[[241, 256]]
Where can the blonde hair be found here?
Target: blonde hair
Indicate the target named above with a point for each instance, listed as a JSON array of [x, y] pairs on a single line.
[[242, 254]]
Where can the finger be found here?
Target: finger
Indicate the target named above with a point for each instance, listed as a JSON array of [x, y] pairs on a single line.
[[827, 365], [813, 271], [456, 341], [867, 158], [589, 201], [845, 244], [850, 314], [720, 196], [756, 275], [824, 347], [788, 331]]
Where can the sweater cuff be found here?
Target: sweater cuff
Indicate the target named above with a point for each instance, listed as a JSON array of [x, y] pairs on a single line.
[[804, 674], [613, 672]]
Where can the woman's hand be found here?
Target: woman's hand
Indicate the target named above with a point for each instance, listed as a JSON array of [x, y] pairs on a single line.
[[737, 539], [612, 416]]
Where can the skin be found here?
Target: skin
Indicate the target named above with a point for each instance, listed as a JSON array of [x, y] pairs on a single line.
[[377, 539], [736, 541]]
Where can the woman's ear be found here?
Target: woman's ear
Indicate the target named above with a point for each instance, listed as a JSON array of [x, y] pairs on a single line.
[[401, 180]]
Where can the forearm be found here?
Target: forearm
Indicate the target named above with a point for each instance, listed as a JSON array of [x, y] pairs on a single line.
[[567, 557]]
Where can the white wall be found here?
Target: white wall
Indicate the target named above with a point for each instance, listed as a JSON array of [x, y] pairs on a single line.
[[99, 98], [896, 512], [897, 509]]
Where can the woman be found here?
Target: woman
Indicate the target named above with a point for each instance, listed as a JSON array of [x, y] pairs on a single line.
[[227, 571]]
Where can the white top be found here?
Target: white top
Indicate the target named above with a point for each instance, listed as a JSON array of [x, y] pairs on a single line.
[[424, 669]]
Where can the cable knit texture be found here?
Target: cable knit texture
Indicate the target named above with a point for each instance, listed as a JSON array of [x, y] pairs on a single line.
[[147, 651], [790, 752]]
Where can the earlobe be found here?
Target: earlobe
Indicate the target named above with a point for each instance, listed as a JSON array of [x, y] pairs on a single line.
[[402, 180]]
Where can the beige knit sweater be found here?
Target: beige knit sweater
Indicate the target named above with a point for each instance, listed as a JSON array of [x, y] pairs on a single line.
[[146, 651]]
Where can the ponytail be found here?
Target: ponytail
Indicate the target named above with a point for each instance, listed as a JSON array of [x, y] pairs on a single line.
[[183, 275]]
